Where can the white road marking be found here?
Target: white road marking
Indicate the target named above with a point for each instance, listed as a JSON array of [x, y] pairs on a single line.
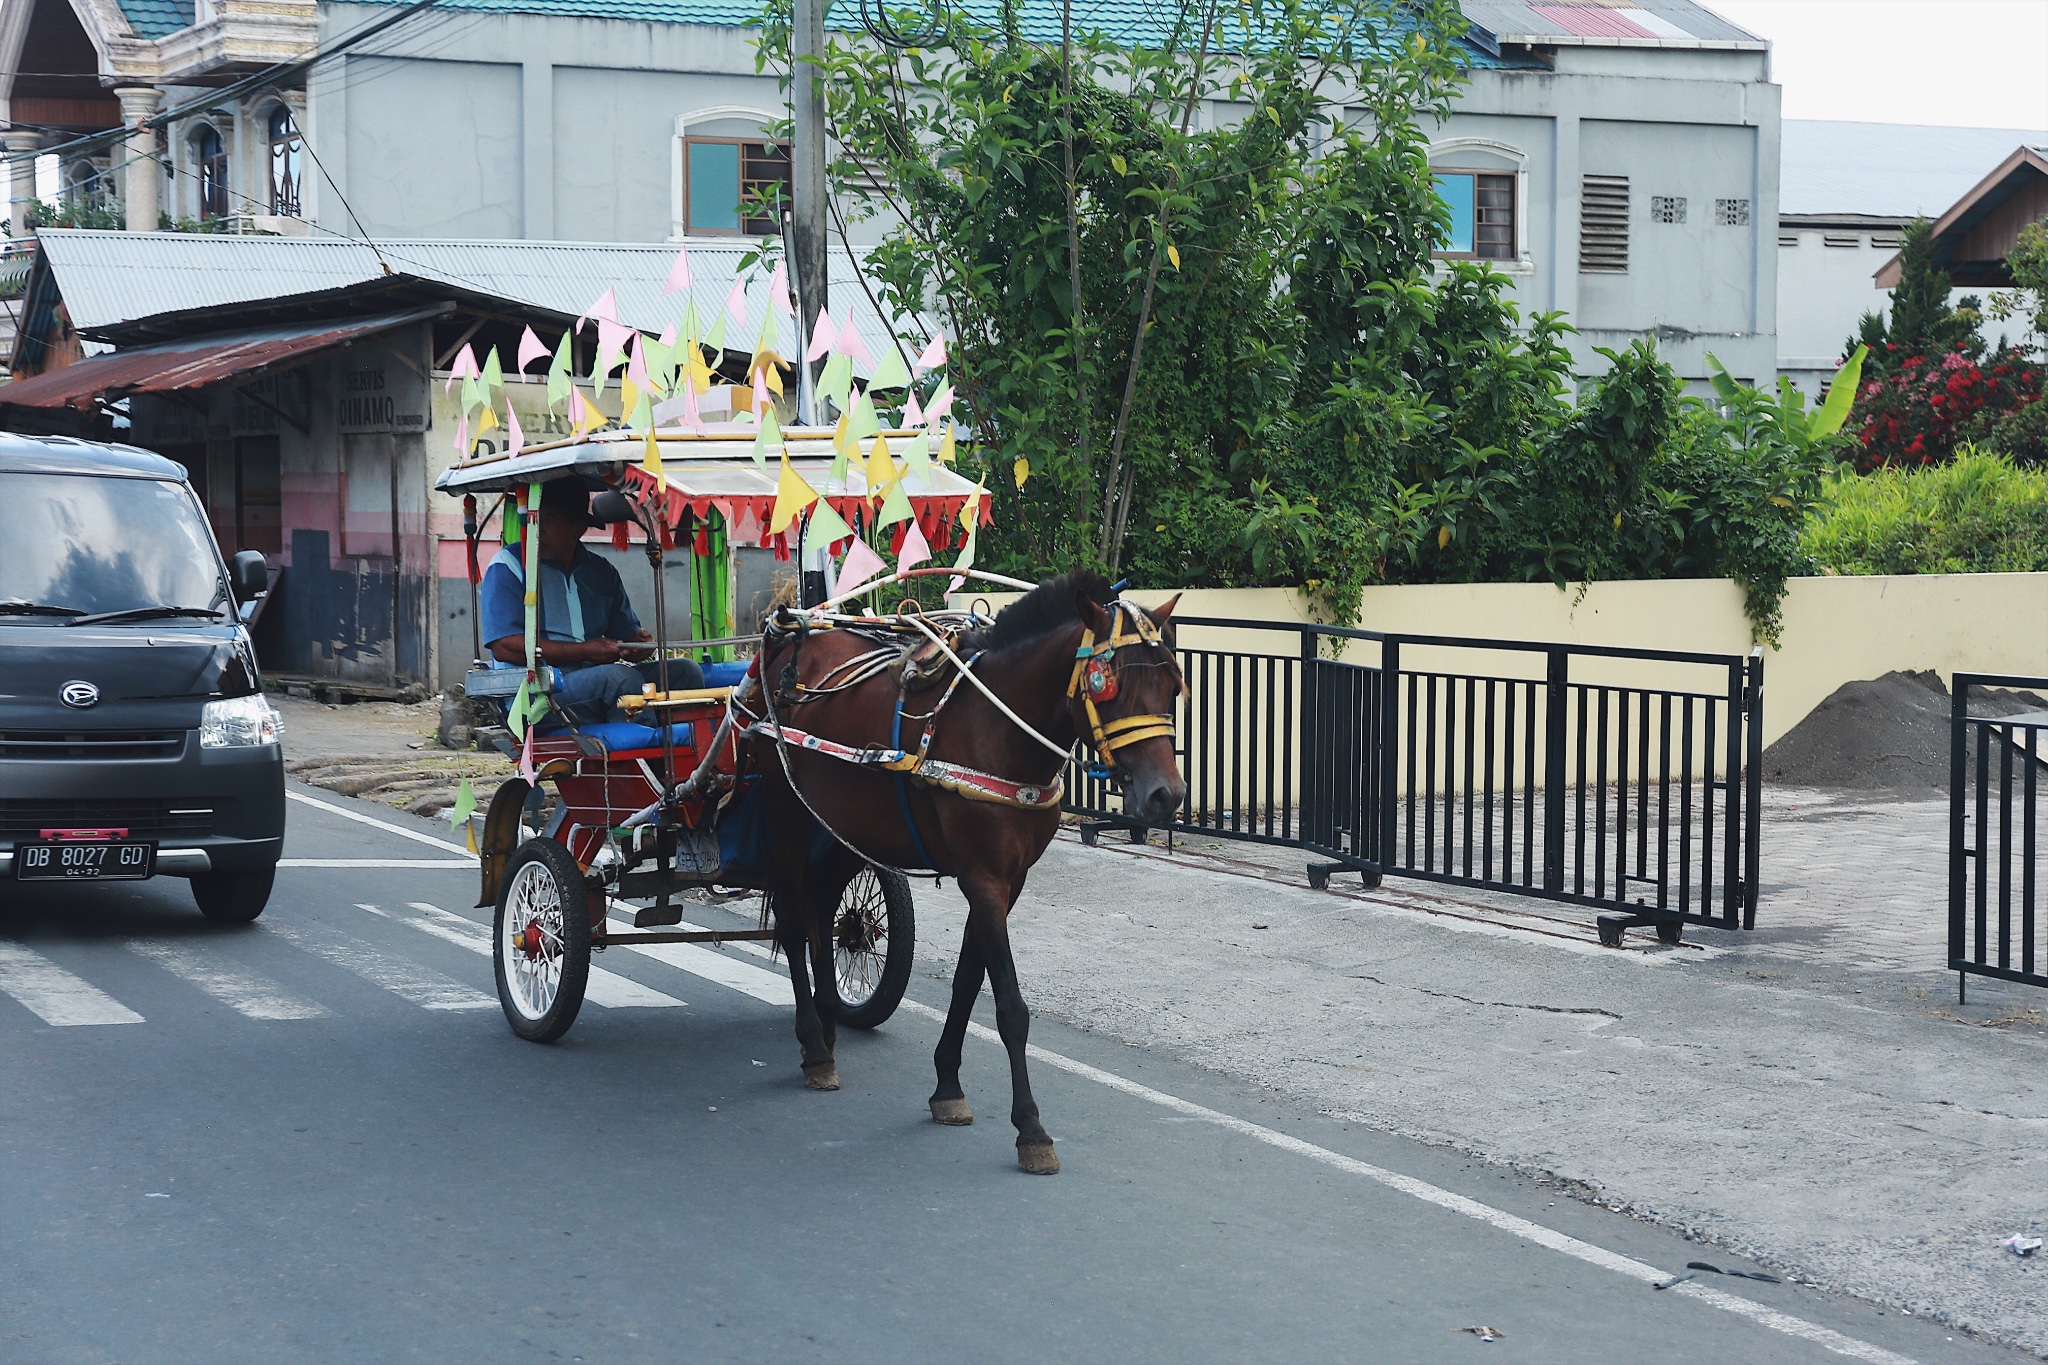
[[54, 995], [468, 864], [606, 988], [385, 825], [1825, 1337], [427, 989], [697, 960], [242, 991]]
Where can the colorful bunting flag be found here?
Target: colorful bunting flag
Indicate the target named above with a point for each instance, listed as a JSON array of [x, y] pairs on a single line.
[[736, 301], [825, 527], [889, 372], [933, 356], [792, 495], [946, 451], [715, 342], [679, 273], [530, 349], [860, 564], [881, 470], [861, 421], [832, 385], [651, 462], [463, 368], [515, 439], [494, 373], [823, 336], [895, 506], [558, 373], [605, 308], [767, 438], [941, 404], [917, 457], [916, 550], [913, 415], [778, 290]]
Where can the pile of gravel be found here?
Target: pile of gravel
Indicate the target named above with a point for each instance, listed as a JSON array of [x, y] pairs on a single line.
[[1890, 734]]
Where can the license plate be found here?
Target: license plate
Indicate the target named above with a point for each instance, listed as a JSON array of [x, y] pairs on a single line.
[[104, 862]]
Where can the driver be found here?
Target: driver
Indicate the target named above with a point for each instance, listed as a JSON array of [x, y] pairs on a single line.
[[588, 631]]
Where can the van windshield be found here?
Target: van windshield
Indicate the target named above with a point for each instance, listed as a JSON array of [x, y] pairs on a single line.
[[80, 544]]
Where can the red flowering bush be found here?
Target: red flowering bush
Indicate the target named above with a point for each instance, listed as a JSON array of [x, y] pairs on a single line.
[[1920, 407]]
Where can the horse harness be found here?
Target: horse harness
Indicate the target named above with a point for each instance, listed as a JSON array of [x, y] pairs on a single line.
[[1096, 679]]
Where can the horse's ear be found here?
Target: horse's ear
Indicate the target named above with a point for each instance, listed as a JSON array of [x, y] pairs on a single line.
[[1165, 609], [1093, 614]]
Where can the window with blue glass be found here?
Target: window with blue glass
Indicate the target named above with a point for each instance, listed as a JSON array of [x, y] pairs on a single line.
[[1482, 213], [734, 187]]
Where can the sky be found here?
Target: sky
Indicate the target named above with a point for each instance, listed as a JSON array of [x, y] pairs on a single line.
[[1960, 63]]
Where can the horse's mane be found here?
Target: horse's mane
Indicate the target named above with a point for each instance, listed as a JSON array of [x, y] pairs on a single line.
[[1038, 613]]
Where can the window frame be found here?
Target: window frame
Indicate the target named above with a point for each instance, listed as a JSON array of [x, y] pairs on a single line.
[[1513, 182], [212, 172], [290, 151], [686, 140]]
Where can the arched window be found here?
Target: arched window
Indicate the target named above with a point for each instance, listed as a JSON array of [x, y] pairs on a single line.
[[210, 154], [285, 150]]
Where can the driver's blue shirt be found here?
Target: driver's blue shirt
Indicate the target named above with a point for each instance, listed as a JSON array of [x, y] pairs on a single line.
[[587, 603]]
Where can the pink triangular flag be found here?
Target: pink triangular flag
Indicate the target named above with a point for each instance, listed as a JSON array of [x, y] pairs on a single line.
[[462, 437], [465, 367], [692, 417], [531, 350], [761, 399], [636, 369], [850, 342], [515, 438], [915, 550], [778, 290], [942, 403], [933, 356], [913, 415], [576, 406], [611, 342], [679, 273], [823, 336], [668, 336], [858, 567], [736, 301], [526, 756], [605, 307]]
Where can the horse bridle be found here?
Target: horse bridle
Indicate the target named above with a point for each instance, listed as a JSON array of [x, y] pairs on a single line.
[[1097, 678]]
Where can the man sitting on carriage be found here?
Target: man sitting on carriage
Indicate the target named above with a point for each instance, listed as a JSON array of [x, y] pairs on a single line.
[[588, 632]]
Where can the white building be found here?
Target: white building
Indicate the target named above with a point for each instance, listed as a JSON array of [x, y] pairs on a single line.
[[1845, 192]]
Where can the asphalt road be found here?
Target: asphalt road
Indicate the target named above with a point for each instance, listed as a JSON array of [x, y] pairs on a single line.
[[315, 1139]]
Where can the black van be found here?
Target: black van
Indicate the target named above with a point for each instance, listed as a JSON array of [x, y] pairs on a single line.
[[135, 740]]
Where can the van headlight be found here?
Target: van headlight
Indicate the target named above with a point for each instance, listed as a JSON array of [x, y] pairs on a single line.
[[238, 723]]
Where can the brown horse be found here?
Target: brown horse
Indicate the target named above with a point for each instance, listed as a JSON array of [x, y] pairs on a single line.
[[1119, 696]]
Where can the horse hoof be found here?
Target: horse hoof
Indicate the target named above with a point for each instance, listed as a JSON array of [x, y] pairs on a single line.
[[953, 1113], [822, 1076], [1037, 1158]]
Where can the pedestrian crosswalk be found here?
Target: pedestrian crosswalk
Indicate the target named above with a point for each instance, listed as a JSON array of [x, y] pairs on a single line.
[[279, 971]]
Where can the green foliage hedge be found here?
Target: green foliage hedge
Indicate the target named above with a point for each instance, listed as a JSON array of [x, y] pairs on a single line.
[[1977, 514]]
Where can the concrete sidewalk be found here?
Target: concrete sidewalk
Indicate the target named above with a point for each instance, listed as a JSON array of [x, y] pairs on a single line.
[[1808, 1094]]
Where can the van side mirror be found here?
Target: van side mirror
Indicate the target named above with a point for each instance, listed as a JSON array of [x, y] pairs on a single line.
[[249, 575], [610, 507]]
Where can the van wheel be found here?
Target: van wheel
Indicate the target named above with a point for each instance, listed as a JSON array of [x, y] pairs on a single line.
[[233, 897]]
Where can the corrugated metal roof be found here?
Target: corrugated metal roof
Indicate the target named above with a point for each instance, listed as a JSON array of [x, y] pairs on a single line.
[[1894, 170], [191, 363], [108, 279], [1644, 22], [1130, 22], [157, 18]]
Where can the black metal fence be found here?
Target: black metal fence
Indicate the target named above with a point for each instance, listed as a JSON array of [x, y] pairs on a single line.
[[1994, 826], [1619, 778]]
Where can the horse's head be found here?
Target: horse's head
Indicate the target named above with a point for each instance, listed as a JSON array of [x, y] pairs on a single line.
[[1125, 682]]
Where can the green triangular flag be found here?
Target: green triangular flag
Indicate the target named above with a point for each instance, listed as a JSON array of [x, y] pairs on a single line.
[[661, 364], [889, 371], [771, 336], [918, 456], [494, 373], [838, 472], [515, 715], [769, 437], [861, 421], [472, 395], [895, 505], [832, 385], [691, 326], [536, 706], [465, 804], [558, 373], [716, 341], [642, 416], [826, 526]]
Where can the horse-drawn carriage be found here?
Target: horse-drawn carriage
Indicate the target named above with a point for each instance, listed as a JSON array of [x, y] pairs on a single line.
[[813, 772]]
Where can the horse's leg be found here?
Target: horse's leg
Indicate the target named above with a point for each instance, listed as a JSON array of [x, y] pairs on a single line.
[[988, 920], [949, 1101], [791, 903], [828, 881]]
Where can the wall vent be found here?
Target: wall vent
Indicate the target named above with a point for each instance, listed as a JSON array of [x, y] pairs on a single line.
[[1731, 212], [1603, 225], [1831, 239], [1666, 208]]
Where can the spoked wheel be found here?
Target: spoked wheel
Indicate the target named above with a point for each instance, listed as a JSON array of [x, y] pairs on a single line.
[[873, 941], [541, 941]]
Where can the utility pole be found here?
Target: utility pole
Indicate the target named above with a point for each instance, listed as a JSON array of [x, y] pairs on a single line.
[[806, 245]]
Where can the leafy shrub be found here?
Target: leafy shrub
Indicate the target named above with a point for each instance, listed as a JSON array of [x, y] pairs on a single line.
[[1979, 513], [1924, 406]]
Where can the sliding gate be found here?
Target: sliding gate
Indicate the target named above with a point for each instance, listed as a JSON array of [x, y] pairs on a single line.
[[1624, 779]]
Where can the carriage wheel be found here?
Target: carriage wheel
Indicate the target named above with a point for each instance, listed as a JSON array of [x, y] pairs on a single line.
[[541, 941], [874, 939]]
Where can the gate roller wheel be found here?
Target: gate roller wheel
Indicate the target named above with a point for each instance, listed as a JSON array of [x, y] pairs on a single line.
[[874, 937], [540, 941]]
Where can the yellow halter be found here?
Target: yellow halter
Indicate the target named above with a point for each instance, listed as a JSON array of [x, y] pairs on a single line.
[[1103, 681]]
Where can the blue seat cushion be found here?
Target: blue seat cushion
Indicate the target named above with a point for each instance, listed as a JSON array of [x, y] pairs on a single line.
[[725, 675], [619, 735]]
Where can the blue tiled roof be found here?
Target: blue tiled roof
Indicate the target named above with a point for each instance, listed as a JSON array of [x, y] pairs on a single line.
[[1129, 21], [157, 18]]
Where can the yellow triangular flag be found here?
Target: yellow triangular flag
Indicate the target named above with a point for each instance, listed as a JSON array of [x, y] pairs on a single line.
[[769, 365], [487, 421], [839, 435], [881, 469], [629, 398], [946, 446], [592, 417], [792, 495], [699, 372], [652, 463]]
